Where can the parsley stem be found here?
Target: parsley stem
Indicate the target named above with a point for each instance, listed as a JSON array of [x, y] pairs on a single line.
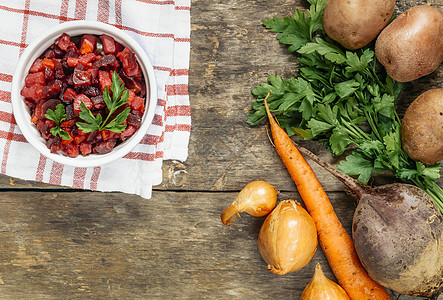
[[371, 123], [356, 133], [111, 111], [373, 74]]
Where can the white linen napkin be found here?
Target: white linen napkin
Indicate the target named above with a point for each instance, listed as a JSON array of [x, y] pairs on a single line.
[[162, 28]]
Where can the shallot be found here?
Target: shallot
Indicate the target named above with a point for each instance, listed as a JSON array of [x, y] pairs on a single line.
[[287, 239], [323, 288], [257, 198]]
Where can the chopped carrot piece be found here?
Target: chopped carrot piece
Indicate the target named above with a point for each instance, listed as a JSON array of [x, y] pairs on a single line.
[[67, 141], [48, 62]]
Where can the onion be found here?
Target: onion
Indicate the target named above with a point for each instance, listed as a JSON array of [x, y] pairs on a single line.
[[321, 287], [287, 239], [257, 198]]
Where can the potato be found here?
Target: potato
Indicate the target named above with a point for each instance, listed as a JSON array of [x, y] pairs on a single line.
[[412, 45], [422, 127], [355, 23]]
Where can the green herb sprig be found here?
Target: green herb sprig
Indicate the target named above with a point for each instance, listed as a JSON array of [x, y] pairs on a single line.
[[119, 98], [340, 98], [58, 116]]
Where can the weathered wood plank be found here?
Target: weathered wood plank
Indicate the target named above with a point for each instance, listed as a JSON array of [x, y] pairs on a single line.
[[82, 245]]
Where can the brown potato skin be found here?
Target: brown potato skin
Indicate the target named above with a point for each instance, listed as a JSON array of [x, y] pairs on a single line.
[[412, 45], [355, 23], [398, 236], [422, 128]]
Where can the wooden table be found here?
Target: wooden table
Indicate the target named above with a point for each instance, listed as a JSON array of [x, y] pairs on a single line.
[[58, 243]]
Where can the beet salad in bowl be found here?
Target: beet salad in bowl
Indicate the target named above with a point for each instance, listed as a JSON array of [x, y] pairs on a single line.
[[84, 93]]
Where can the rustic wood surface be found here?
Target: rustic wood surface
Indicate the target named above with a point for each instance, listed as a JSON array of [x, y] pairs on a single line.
[[60, 243]]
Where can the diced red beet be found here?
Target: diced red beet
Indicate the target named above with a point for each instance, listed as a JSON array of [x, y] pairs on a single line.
[[91, 91], [93, 71], [40, 123], [77, 103], [68, 123], [34, 92], [69, 109], [71, 149], [108, 44], [105, 146], [38, 112], [29, 102], [69, 95], [45, 130], [87, 43], [132, 83], [59, 73], [98, 102], [70, 80], [135, 118], [104, 79], [81, 77], [118, 47], [105, 60], [53, 143], [94, 137], [37, 66], [72, 61], [72, 52], [58, 52], [35, 78], [129, 62], [85, 148], [64, 41], [129, 131], [50, 53], [86, 59], [137, 103], [49, 73], [52, 89]]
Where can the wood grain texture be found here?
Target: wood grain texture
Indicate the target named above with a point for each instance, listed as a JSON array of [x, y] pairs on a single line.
[[115, 246], [61, 243]]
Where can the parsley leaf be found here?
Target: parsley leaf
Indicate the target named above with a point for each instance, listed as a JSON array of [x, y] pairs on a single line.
[[58, 116], [119, 98], [93, 123]]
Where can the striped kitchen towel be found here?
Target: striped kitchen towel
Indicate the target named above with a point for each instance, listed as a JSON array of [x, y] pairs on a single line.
[[162, 28]]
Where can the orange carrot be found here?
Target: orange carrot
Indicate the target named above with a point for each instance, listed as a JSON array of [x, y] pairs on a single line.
[[334, 240]]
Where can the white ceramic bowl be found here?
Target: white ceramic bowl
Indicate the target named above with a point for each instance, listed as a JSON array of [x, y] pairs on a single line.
[[22, 112]]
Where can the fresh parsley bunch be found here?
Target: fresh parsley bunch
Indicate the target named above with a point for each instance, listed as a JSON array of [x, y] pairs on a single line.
[[340, 98]]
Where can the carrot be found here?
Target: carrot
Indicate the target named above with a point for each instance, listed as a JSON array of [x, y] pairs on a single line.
[[334, 240]]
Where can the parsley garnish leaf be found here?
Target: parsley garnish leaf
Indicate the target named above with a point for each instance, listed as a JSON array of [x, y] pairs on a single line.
[[93, 123], [119, 98], [58, 116]]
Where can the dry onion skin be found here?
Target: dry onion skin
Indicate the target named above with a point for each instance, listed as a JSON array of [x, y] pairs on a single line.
[[321, 287], [257, 198], [287, 239]]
